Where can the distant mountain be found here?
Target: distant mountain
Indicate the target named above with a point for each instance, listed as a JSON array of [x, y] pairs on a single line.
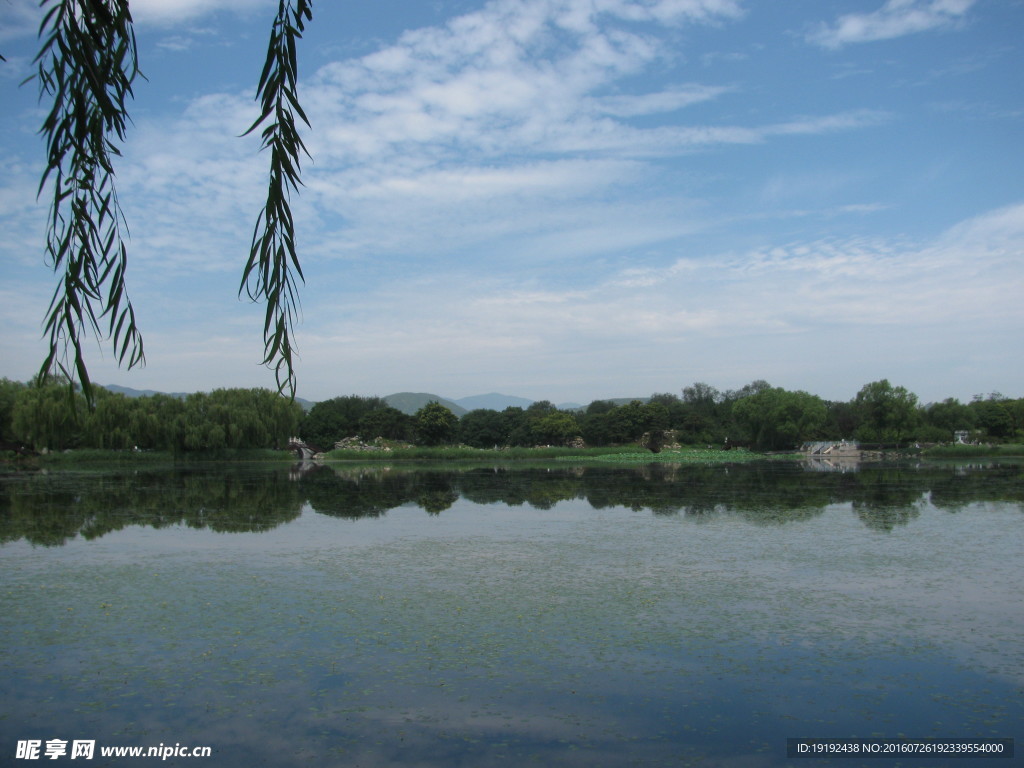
[[410, 402], [129, 392], [625, 400], [493, 402], [612, 400], [406, 402]]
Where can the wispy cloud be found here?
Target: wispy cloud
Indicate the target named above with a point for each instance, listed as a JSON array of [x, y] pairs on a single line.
[[479, 127], [861, 118], [848, 305], [669, 100], [19, 18], [167, 12], [506, 136], [656, 321], [191, 188], [894, 19], [514, 75]]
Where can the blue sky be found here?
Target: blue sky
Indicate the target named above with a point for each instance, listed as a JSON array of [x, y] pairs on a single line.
[[567, 199]]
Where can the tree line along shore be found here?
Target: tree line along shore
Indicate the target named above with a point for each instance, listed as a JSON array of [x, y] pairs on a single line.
[[51, 417]]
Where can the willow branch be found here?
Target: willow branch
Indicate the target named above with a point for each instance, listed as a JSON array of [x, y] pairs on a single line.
[[273, 271], [86, 64]]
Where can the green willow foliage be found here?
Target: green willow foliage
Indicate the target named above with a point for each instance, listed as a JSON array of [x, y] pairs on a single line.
[[219, 420], [272, 258], [86, 67]]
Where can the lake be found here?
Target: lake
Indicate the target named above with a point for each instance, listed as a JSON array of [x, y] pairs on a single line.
[[559, 615]]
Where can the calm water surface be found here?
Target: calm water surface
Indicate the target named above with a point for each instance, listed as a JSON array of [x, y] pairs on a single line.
[[556, 616]]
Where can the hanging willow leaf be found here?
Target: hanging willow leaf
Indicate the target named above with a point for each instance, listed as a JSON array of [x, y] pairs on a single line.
[[273, 267], [86, 65]]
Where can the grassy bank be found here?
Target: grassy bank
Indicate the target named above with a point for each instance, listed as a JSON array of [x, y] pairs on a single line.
[[612, 454], [439, 455], [444, 454], [465, 453], [683, 456], [87, 456], [975, 451], [421, 454]]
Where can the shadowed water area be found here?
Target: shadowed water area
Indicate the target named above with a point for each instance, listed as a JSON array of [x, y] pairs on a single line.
[[502, 616]]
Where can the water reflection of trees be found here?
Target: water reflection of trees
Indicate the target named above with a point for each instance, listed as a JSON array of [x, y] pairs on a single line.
[[353, 495], [50, 509], [882, 497]]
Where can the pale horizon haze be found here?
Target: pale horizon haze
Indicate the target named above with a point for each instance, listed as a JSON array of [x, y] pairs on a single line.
[[566, 200]]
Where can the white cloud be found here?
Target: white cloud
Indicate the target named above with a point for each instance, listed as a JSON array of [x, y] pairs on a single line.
[[861, 118], [895, 19], [784, 306], [512, 76], [19, 18], [165, 12], [522, 80], [460, 184], [670, 100], [1001, 231], [191, 188]]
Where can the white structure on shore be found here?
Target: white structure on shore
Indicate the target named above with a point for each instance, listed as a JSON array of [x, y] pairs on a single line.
[[831, 449]]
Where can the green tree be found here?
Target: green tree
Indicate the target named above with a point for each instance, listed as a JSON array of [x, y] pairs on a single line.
[[948, 417], [160, 424], [1016, 409], [655, 416], [109, 423], [595, 423], [8, 396], [387, 422], [435, 424], [483, 428], [843, 420], [332, 420], [887, 413], [748, 390], [668, 399], [45, 417], [250, 418], [546, 425], [558, 428], [86, 68], [777, 419], [993, 416], [604, 423], [698, 421], [628, 422], [702, 396], [517, 426]]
